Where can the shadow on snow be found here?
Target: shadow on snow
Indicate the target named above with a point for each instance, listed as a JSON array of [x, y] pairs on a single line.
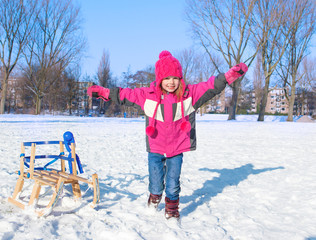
[[113, 189], [227, 177]]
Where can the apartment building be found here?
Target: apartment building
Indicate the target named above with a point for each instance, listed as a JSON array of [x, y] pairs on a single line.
[[13, 99], [305, 102], [277, 102], [83, 102]]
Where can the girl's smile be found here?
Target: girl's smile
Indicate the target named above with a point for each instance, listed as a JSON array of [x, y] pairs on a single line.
[[170, 84]]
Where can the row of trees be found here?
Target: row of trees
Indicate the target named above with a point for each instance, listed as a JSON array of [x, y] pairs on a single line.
[[60, 96], [275, 32], [43, 41]]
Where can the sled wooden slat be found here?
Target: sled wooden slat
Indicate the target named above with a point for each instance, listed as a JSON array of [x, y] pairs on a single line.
[[66, 175], [44, 181], [54, 175], [47, 176]]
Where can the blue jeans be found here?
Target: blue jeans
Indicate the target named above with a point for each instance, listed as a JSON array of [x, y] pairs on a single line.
[[164, 173]]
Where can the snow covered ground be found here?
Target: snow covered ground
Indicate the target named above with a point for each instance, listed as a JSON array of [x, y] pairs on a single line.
[[247, 180]]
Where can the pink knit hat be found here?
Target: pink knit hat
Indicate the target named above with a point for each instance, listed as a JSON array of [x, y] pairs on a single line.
[[167, 66]]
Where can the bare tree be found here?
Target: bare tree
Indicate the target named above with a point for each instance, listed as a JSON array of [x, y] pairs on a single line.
[[301, 32], [70, 79], [16, 22], [55, 99], [309, 69], [223, 27], [104, 74], [25, 97], [308, 83], [56, 43], [126, 77], [189, 61], [272, 33], [196, 66], [258, 80], [142, 78], [244, 103]]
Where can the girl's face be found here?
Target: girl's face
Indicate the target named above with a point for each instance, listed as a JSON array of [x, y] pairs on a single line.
[[170, 84]]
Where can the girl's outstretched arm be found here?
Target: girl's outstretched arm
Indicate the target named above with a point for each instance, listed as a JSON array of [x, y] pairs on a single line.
[[204, 91], [121, 96]]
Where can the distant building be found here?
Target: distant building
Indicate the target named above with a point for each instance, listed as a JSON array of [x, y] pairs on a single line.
[[13, 99], [254, 103], [83, 101], [305, 102], [277, 102]]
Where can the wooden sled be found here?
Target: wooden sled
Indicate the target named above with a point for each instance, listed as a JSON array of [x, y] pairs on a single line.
[[54, 178]]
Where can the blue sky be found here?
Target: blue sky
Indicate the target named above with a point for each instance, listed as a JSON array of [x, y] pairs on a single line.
[[133, 31]]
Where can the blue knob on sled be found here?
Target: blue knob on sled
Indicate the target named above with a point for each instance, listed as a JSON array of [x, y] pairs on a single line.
[[68, 140]]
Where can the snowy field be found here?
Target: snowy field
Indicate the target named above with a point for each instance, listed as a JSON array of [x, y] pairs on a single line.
[[247, 180]]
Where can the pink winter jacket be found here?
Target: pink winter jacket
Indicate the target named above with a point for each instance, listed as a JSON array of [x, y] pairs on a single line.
[[169, 139]]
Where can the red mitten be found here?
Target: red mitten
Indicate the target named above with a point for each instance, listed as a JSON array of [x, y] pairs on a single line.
[[236, 72], [99, 92]]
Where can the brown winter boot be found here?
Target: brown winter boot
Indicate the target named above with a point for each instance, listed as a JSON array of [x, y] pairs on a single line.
[[172, 208], [154, 200]]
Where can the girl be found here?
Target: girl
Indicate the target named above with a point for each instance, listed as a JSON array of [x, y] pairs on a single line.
[[169, 105]]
